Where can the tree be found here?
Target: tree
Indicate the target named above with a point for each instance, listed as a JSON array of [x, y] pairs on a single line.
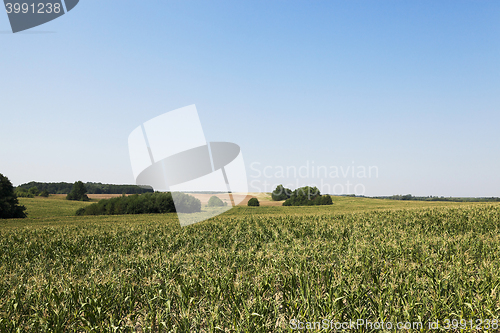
[[253, 202], [34, 191], [281, 193], [305, 193], [215, 202], [185, 203], [22, 193], [78, 192], [307, 196], [325, 199], [9, 205]]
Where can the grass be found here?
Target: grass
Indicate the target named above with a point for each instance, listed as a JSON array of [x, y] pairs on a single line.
[[349, 205], [52, 206], [250, 269]]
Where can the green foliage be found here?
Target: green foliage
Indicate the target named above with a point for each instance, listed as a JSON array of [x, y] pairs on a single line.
[[325, 199], [9, 205], [281, 193], [34, 191], [243, 273], [148, 203], [215, 201], [308, 196], [92, 188], [78, 192], [22, 193], [44, 193], [253, 202], [185, 203]]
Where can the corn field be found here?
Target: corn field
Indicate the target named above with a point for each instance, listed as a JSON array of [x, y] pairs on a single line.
[[250, 273]]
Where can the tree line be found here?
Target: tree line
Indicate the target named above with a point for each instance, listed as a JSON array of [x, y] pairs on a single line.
[[30, 193], [435, 198], [147, 203], [92, 188]]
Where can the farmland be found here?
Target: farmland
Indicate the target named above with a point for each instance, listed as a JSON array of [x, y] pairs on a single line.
[[252, 269]]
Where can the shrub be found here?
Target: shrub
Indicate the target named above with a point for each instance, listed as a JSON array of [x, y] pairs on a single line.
[[44, 193], [34, 191], [215, 202], [307, 196], [148, 203], [185, 203], [22, 193], [253, 202], [9, 205], [281, 193], [326, 200]]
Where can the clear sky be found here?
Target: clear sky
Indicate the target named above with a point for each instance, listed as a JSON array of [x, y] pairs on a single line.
[[409, 87]]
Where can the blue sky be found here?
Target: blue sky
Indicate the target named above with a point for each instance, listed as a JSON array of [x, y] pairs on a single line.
[[411, 87]]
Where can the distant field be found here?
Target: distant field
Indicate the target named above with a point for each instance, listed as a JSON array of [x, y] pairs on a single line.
[[53, 206], [250, 269], [94, 197], [56, 205], [265, 198]]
